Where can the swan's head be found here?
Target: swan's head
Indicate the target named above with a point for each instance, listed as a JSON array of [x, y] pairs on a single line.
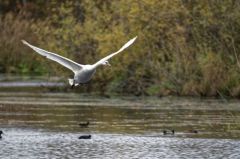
[[106, 63]]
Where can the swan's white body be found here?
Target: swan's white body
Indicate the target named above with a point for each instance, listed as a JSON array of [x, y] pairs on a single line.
[[82, 73]]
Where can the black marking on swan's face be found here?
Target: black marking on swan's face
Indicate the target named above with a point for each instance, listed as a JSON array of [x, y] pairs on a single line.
[[106, 63]]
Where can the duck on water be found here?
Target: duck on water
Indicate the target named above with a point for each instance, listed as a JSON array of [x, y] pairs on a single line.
[[166, 132], [85, 137], [84, 125], [1, 132]]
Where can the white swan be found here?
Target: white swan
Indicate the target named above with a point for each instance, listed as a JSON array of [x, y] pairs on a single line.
[[82, 73]]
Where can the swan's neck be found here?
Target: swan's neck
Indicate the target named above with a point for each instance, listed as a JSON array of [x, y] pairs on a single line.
[[90, 67], [96, 65]]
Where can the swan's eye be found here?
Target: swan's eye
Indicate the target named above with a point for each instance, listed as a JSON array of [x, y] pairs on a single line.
[[107, 63]]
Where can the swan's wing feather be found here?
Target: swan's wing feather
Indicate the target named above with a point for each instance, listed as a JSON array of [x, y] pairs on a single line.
[[60, 59], [130, 42]]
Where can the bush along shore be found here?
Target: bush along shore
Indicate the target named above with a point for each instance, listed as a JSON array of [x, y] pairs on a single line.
[[183, 47]]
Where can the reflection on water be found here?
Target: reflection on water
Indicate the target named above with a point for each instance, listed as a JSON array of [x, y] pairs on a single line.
[[46, 125], [63, 112], [31, 84]]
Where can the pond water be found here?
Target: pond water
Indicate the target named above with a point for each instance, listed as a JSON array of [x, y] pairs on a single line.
[[27, 143], [46, 125]]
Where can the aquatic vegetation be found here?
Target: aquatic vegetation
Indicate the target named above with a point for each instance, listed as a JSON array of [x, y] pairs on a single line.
[[184, 47]]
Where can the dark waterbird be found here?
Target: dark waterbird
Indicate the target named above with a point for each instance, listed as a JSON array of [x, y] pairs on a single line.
[[193, 131], [85, 137], [1, 132], [166, 132], [84, 125]]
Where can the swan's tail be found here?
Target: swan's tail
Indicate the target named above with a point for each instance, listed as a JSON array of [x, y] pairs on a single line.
[[71, 81]]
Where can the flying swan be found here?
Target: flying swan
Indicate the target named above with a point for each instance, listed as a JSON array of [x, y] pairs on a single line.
[[82, 73]]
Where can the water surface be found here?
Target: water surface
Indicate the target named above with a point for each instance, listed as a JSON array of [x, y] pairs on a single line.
[[46, 125], [27, 143]]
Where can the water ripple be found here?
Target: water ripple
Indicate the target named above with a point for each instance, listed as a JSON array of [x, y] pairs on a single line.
[[30, 143]]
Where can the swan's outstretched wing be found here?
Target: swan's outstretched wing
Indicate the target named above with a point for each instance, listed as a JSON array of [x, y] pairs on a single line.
[[61, 60], [130, 42]]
